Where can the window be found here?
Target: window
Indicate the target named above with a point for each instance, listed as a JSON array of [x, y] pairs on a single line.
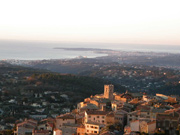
[[87, 126], [97, 116], [92, 127], [95, 127], [89, 116], [94, 119], [95, 131], [103, 117], [87, 130], [102, 121]]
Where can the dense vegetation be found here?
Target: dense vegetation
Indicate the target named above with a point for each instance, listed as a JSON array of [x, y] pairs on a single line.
[[141, 78], [19, 82], [83, 86], [169, 89], [25, 92]]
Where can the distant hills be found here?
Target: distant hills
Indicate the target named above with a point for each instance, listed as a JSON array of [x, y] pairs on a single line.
[[17, 78], [136, 71]]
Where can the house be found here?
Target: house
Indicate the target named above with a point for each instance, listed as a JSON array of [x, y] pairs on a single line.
[[40, 132], [120, 117], [168, 121], [134, 125], [128, 107], [143, 126], [80, 105], [57, 132], [147, 98], [125, 97], [80, 118], [151, 127], [89, 107], [155, 111], [167, 99], [137, 95], [93, 128], [117, 117], [95, 116], [69, 128], [46, 124], [81, 130], [138, 115], [25, 127], [110, 118], [65, 118], [117, 105], [102, 103]]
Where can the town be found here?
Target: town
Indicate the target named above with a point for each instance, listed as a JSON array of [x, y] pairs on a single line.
[[29, 95], [77, 67], [111, 113]]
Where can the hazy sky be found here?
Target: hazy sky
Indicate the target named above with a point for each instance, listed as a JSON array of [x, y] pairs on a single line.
[[112, 21]]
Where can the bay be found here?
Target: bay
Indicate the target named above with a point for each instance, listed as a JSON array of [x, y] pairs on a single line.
[[36, 50]]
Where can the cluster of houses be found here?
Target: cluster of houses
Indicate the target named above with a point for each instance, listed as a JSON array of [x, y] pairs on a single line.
[[109, 114]]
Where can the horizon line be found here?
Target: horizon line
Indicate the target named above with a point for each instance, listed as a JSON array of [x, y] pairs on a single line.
[[56, 41]]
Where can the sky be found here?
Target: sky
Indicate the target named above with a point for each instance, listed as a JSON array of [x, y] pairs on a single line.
[[106, 21]]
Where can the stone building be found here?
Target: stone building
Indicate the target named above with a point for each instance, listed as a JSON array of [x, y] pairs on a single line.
[[108, 91], [167, 121]]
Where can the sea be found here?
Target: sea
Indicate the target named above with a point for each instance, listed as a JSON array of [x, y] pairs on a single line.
[[39, 50]]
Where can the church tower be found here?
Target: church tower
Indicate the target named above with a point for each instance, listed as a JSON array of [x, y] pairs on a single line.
[[108, 91]]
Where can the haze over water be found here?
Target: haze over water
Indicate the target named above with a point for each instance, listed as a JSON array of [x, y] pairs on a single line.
[[25, 50]]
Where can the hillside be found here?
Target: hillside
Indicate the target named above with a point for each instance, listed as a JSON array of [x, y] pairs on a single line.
[[26, 92]]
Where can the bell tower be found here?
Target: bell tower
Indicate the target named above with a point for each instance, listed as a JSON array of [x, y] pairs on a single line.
[[108, 91]]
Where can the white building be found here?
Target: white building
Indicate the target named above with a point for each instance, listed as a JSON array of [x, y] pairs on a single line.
[[93, 128]]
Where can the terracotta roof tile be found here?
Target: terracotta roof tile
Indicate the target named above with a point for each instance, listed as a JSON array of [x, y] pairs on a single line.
[[96, 112], [41, 131], [152, 122], [66, 116]]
